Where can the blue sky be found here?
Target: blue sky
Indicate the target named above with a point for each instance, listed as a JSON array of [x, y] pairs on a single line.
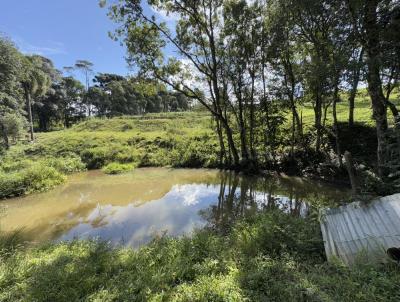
[[64, 31]]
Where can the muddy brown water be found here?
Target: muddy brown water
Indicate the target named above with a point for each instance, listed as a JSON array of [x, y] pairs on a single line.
[[133, 208]]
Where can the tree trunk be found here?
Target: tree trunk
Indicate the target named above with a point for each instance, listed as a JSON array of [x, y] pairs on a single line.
[[393, 109], [231, 143], [243, 134], [5, 136], [252, 117], [293, 137], [30, 117], [318, 120], [243, 142], [252, 128], [336, 126], [289, 71], [297, 121], [352, 173], [372, 32], [222, 152], [354, 88]]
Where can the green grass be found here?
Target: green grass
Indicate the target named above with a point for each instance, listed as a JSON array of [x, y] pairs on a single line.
[[153, 140], [117, 145], [21, 175], [271, 256], [117, 168], [362, 111]]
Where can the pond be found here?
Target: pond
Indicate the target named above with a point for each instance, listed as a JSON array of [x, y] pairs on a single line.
[[133, 208]]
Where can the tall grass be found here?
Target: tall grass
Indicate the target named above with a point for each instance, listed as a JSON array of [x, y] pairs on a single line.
[[268, 257], [11, 243]]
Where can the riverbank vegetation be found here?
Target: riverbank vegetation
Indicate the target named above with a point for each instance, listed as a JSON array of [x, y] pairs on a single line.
[[268, 256], [256, 62], [308, 88], [274, 96], [183, 139]]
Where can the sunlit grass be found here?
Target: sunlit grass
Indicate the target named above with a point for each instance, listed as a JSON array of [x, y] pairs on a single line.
[[117, 145], [362, 110], [268, 257]]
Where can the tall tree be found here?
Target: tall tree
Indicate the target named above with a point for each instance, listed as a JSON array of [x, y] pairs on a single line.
[[354, 72], [11, 106], [199, 43], [370, 20], [86, 67], [35, 82]]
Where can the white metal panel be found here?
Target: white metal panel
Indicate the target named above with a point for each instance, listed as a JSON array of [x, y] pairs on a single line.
[[361, 229]]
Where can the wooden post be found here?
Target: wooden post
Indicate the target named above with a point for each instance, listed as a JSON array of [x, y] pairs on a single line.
[[352, 172]]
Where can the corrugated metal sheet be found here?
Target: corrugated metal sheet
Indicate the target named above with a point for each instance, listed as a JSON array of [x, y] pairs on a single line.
[[362, 230]]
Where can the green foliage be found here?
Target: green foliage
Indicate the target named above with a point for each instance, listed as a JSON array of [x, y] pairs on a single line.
[[118, 144], [11, 104], [195, 153], [269, 257], [68, 164], [10, 243], [20, 175], [12, 125], [97, 157], [117, 168], [35, 178]]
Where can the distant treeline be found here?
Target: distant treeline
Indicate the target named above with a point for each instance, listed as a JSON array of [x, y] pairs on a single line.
[[34, 94]]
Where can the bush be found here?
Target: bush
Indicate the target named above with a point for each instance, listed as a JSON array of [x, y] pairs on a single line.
[[98, 157], [36, 178], [117, 168], [95, 158], [155, 157], [195, 153], [67, 164]]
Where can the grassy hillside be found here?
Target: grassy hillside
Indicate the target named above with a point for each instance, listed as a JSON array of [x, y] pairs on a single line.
[[362, 111], [179, 140], [120, 144]]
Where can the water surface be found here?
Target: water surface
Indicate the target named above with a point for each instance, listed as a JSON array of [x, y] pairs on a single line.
[[133, 208]]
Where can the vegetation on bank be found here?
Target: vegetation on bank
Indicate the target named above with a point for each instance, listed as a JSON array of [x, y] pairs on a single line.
[[21, 174], [184, 139], [117, 145], [299, 52], [117, 168], [271, 256]]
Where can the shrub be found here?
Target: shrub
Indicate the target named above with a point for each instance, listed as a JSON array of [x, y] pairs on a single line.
[[10, 165], [195, 153], [155, 157], [117, 168], [36, 178], [97, 157], [67, 164]]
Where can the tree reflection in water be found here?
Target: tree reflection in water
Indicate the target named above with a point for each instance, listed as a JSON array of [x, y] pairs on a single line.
[[241, 197]]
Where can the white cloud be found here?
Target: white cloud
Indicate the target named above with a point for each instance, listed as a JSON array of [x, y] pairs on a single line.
[[53, 47]]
